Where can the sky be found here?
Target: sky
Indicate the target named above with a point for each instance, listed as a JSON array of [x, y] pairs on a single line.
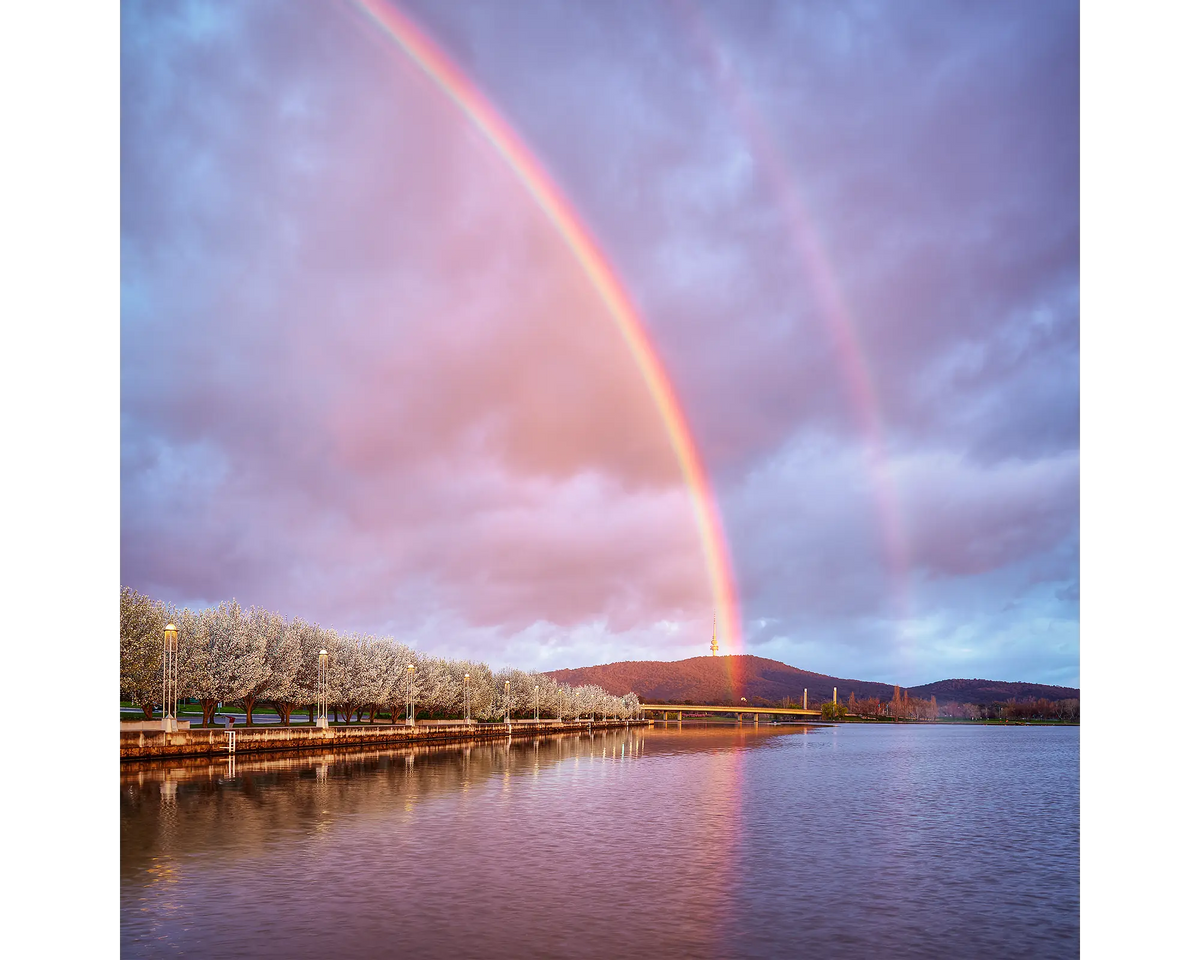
[[364, 380]]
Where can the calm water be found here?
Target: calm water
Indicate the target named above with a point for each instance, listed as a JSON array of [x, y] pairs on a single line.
[[850, 841]]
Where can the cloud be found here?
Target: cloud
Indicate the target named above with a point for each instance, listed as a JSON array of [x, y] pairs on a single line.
[[363, 380]]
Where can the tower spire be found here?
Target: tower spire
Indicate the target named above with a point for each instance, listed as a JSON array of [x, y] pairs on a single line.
[[713, 645]]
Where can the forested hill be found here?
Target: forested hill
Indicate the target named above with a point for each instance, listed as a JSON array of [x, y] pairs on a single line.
[[763, 681], [990, 691]]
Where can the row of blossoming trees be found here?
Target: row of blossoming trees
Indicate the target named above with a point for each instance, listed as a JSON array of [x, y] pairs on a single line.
[[255, 657]]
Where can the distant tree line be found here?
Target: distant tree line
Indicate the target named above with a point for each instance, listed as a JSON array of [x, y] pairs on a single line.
[[254, 657], [902, 706], [1039, 709]]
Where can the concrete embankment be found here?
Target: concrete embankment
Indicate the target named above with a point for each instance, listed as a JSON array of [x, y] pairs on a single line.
[[215, 742]]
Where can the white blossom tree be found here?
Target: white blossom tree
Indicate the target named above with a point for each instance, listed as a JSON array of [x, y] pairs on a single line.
[[379, 673], [142, 624], [253, 655], [345, 673], [206, 660], [259, 631], [292, 661], [395, 696]]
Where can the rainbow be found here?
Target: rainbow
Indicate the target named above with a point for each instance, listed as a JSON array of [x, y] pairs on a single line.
[[840, 323], [458, 87]]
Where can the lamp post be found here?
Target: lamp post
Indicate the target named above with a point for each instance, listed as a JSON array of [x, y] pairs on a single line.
[[467, 697], [535, 703], [411, 719], [323, 689], [507, 702], [170, 677]]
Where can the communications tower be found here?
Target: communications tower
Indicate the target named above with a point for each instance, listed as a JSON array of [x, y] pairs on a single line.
[[713, 646]]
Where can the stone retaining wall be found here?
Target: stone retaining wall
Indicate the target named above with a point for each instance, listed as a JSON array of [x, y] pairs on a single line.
[[213, 742]]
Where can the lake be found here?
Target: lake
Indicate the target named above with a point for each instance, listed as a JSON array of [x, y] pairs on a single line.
[[714, 841]]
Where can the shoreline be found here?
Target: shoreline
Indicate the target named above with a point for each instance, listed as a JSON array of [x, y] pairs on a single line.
[[212, 743]]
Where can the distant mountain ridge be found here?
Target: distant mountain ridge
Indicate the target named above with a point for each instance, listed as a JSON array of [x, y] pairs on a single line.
[[728, 679]]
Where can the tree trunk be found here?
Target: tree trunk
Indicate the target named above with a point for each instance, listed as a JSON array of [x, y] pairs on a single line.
[[284, 709], [248, 702], [374, 713], [208, 707], [312, 714], [147, 710]]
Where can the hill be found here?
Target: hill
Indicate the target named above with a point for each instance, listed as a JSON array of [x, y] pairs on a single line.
[[990, 691], [762, 681]]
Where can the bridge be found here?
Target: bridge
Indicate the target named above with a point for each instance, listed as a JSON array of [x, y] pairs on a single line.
[[680, 708]]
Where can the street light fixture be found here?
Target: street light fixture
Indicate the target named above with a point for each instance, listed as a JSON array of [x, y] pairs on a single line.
[[170, 691], [466, 697], [535, 703], [323, 689], [507, 702], [411, 719]]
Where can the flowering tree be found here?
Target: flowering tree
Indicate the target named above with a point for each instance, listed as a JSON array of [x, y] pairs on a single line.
[[204, 671], [439, 690], [251, 633], [292, 663], [521, 690], [264, 642], [253, 655], [590, 699], [572, 699], [448, 693], [395, 695], [380, 662], [345, 673], [142, 624], [223, 656], [512, 699], [485, 705]]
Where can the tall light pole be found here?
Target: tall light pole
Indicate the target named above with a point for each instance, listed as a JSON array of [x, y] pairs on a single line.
[[411, 719], [467, 697], [535, 703], [507, 711], [170, 684], [323, 689]]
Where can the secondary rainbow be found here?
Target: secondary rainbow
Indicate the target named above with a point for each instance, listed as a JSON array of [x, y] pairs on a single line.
[[834, 309], [456, 85]]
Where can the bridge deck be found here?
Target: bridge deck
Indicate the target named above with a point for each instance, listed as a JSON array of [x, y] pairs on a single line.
[[717, 708]]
